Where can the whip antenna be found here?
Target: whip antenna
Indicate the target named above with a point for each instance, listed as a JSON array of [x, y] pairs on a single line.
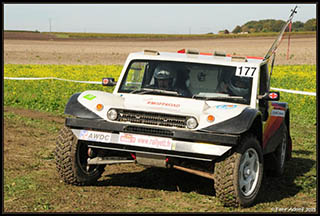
[[276, 43]]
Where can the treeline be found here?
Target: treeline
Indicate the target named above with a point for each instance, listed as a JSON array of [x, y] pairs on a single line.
[[271, 25]]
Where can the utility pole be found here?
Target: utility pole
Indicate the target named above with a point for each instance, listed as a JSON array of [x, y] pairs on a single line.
[[50, 24]]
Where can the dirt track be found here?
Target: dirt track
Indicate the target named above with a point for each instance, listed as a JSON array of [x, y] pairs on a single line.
[[106, 52]]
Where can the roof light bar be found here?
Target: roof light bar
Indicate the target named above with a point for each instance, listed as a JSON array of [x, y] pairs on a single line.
[[220, 53], [151, 52], [193, 51], [239, 58]]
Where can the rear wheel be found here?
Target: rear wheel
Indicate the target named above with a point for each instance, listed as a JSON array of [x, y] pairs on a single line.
[[279, 157], [71, 157], [238, 177]]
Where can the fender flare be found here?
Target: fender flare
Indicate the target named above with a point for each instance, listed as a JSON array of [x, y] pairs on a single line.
[[236, 125], [76, 109]]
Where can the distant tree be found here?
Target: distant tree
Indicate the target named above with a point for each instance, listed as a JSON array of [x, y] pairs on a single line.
[[223, 31], [245, 28], [310, 25], [277, 25], [237, 29], [297, 26], [271, 25]]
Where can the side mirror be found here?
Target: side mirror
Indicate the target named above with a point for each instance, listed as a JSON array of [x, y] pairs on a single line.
[[270, 96], [108, 82]]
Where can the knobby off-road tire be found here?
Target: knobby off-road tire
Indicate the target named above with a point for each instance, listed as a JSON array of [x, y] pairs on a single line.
[[279, 157], [71, 157], [238, 177]]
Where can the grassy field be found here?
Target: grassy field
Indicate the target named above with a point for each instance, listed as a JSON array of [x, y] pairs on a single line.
[[31, 183], [168, 36], [83, 35]]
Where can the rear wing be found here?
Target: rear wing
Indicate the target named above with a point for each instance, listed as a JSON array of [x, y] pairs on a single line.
[[276, 43]]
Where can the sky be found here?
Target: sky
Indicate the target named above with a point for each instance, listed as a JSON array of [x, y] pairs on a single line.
[[145, 18]]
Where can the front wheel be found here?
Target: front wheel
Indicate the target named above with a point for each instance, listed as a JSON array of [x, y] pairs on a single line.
[[71, 157], [238, 177]]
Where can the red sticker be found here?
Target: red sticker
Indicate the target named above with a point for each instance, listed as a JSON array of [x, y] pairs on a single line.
[[273, 95], [105, 81]]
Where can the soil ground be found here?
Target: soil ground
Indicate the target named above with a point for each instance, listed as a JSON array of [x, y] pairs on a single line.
[[33, 185], [32, 50]]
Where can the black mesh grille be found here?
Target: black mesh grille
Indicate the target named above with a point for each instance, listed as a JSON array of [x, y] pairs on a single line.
[[158, 119], [149, 131]]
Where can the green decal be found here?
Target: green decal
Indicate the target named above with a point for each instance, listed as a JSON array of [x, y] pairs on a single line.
[[89, 97]]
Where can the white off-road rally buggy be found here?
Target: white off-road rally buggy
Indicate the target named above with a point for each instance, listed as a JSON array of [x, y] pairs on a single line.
[[210, 114]]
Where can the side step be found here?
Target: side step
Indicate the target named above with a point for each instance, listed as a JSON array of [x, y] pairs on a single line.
[[107, 160]]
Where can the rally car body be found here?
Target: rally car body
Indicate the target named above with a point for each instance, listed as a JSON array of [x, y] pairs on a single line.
[[208, 138]]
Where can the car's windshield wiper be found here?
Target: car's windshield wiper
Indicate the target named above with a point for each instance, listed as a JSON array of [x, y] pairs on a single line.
[[219, 97], [150, 90]]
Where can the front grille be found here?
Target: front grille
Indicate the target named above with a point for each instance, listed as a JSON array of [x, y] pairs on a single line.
[[158, 119], [149, 131]]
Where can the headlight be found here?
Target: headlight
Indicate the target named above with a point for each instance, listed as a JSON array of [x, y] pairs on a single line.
[[112, 114], [192, 123]]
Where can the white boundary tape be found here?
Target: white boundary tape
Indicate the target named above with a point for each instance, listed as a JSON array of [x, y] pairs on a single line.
[[97, 82], [43, 78], [295, 92]]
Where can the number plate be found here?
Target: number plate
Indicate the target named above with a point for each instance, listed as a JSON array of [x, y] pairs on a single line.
[[145, 141]]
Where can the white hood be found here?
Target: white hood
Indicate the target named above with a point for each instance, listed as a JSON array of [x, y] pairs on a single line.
[[200, 109]]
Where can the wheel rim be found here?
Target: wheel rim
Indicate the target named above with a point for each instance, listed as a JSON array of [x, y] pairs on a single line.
[[283, 150], [82, 159], [249, 172]]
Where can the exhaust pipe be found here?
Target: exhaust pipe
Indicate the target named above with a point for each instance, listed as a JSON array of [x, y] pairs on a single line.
[[196, 172]]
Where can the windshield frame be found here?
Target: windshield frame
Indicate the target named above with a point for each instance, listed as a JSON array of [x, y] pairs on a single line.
[[254, 85]]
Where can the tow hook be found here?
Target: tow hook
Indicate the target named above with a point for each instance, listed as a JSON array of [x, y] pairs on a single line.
[[90, 153]]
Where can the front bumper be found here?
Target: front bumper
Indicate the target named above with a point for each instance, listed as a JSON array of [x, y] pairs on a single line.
[[152, 140]]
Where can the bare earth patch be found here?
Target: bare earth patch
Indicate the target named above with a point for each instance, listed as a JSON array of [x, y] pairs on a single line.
[[108, 51]]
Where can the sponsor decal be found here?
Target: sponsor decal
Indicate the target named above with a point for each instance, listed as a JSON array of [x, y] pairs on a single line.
[[226, 106], [145, 141], [89, 97], [156, 103], [127, 138], [95, 136], [278, 113], [84, 134]]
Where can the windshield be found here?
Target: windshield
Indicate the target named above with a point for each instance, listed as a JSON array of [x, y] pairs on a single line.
[[190, 80]]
